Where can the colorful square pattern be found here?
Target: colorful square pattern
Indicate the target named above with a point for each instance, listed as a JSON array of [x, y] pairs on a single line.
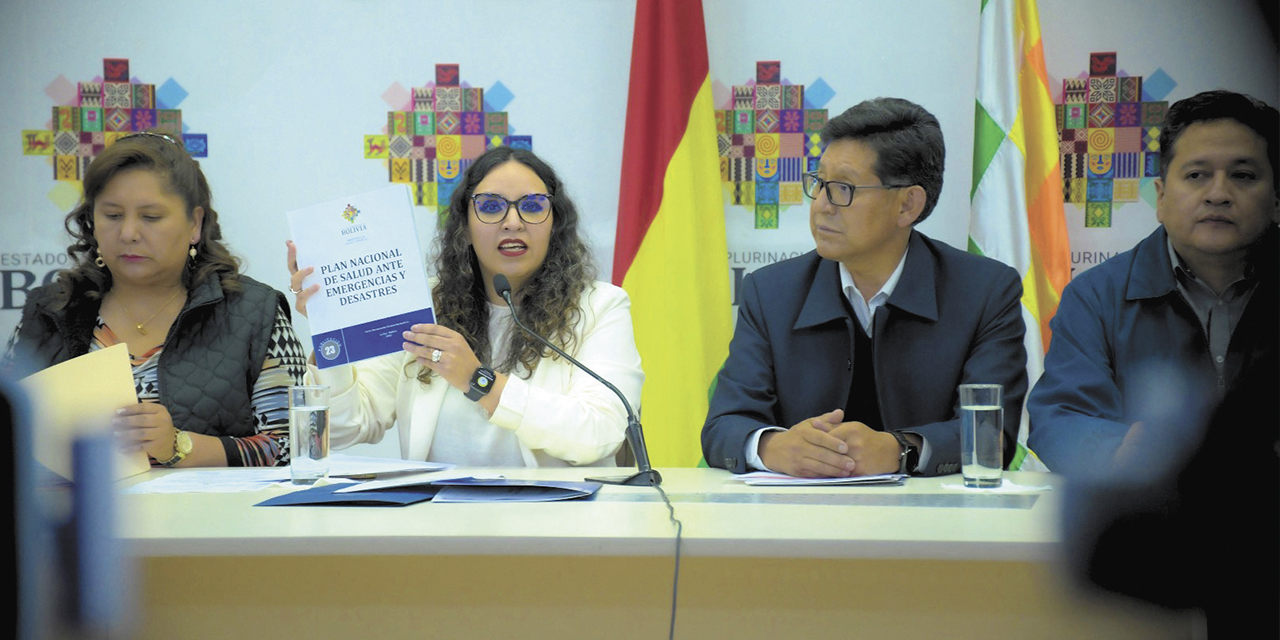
[[791, 121], [1151, 139], [1153, 113], [423, 99], [768, 71], [472, 123], [768, 96], [144, 96], [1150, 165], [1127, 165], [1130, 89], [1109, 138], [115, 69], [1128, 114], [1076, 188], [100, 112], [1101, 115], [1075, 116], [447, 75], [790, 193], [448, 99], [1073, 165], [473, 99], [767, 139], [117, 95], [1097, 214], [1102, 64], [431, 139], [1124, 190], [766, 121], [793, 96], [1075, 90], [1102, 89], [1128, 139]]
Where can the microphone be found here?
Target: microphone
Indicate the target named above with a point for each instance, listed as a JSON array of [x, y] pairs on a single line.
[[646, 475]]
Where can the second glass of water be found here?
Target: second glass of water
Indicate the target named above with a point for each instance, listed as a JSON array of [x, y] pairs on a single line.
[[308, 433], [981, 435]]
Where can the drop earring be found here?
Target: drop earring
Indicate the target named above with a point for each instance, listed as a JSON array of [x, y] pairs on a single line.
[[98, 260]]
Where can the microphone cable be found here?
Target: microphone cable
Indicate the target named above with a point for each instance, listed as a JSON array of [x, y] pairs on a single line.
[[503, 287], [675, 578]]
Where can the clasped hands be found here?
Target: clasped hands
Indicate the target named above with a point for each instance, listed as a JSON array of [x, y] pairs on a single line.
[[826, 447]]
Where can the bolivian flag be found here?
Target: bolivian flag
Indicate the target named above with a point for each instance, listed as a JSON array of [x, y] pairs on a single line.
[[670, 253], [1017, 214]]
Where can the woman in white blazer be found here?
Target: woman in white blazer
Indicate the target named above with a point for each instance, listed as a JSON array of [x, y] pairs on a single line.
[[474, 389]]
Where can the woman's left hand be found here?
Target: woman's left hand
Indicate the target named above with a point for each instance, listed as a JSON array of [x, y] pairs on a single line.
[[146, 426], [456, 360]]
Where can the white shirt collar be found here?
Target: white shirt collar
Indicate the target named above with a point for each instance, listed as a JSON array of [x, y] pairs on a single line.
[[864, 310]]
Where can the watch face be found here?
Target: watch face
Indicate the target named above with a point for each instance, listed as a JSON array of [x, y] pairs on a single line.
[[183, 443], [481, 381]]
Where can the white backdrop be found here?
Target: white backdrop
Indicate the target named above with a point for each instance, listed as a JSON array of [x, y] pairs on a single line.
[[287, 89]]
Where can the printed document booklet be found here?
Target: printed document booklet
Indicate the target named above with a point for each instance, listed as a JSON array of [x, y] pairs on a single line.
[[373, 284]]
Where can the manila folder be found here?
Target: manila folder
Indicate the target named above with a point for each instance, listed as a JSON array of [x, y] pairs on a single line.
[[80, 397]]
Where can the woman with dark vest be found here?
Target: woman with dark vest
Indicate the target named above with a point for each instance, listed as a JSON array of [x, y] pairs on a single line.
[[213, 351]]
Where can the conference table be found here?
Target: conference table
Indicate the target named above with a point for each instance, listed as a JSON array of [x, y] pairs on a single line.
[[923, 558]]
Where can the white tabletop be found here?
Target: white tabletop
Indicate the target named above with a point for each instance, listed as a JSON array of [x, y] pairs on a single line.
[[927, 518]]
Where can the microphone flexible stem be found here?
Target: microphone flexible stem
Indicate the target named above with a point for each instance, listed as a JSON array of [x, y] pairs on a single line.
[[635, 435], [506, 295]]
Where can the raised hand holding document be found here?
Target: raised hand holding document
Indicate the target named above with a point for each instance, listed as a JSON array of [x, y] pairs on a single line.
[[373, 285]]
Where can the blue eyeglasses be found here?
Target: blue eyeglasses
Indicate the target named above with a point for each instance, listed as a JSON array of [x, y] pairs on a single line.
[[491, 208]]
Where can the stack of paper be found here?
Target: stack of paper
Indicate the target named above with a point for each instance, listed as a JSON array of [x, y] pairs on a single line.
[[770, 479], [402, 491]]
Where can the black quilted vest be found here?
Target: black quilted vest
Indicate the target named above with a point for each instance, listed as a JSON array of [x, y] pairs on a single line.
[[212, 356]]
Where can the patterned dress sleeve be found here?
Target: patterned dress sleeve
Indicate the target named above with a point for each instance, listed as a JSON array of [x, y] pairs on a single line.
[[6, 360], [284, 367]]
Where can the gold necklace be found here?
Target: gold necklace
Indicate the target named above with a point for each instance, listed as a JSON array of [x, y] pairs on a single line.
[[139, 326]]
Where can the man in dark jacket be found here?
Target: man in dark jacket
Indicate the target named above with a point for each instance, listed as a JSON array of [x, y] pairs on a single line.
[[1146, 344], [846, 361]]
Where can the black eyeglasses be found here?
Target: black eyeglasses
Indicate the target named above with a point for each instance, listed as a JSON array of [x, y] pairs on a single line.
[[839, 193], [491, 208]]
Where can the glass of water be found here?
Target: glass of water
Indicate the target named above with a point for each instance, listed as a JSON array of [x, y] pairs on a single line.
[[981, 435], [308, 433]]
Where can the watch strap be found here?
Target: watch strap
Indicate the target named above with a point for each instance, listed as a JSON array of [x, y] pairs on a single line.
[[906, 461], [481, 384], [179, 450]]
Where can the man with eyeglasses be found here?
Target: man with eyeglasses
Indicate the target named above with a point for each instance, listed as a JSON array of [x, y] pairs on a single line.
[[846, 360]]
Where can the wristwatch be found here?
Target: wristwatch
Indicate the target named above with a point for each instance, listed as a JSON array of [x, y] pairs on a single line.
[[910, 456], [181, 448], [481, 383]]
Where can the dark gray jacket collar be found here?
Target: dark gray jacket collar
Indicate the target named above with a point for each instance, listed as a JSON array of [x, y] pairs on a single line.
[[915, 293]]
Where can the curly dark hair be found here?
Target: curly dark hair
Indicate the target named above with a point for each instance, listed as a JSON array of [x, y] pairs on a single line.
[[549, 300], [168, 159]]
